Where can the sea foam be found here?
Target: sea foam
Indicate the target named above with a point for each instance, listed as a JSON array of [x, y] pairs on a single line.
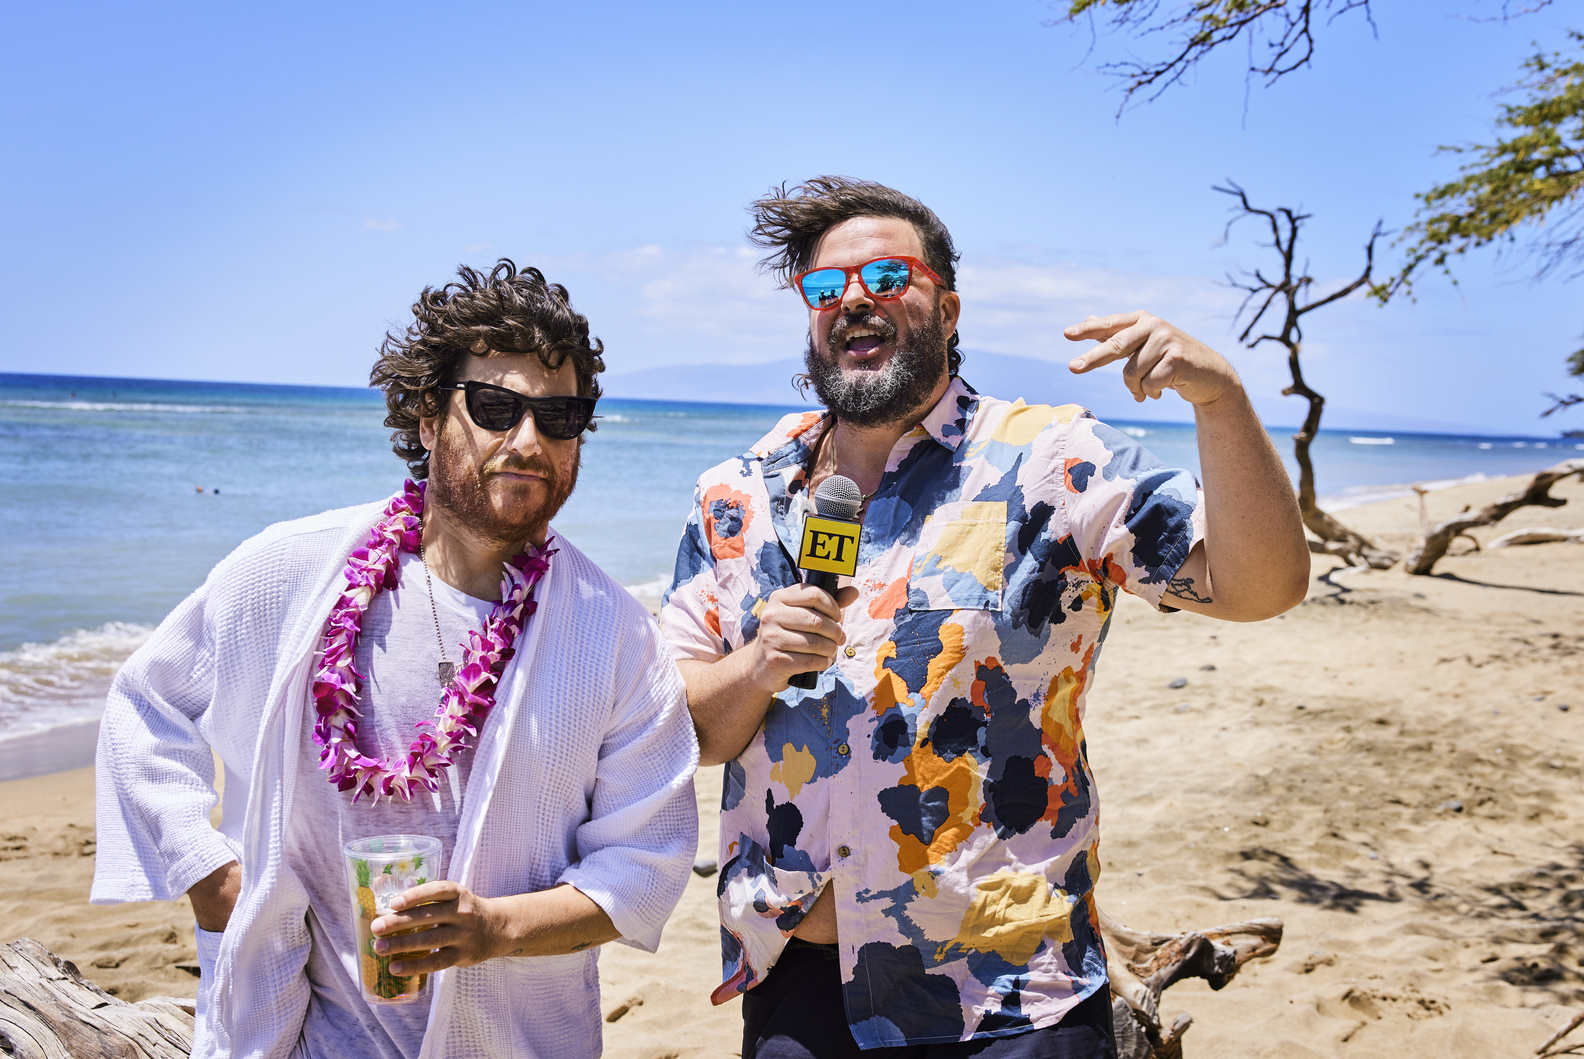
[[44, 685]]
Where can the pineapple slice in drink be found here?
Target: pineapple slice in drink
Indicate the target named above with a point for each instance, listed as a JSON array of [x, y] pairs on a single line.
[[365, 895], [369, 965]]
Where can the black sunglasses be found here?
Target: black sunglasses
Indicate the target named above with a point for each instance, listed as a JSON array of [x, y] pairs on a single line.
[[497, 408]]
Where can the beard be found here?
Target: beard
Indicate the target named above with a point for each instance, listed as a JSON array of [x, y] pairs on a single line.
[[508, 514], [870, 397]]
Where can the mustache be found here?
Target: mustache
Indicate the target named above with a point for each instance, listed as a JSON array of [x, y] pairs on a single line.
[[519, 465], [850, 322]]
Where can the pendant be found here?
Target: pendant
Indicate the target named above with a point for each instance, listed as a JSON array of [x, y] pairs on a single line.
[[446, 671]]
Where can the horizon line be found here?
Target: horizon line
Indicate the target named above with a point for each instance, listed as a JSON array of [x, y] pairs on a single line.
[[1272, 427]]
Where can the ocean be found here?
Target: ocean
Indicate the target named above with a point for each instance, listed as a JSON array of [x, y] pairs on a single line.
[[127, 491]]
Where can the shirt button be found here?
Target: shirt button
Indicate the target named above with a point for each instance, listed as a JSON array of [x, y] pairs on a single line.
[[851, 651], [844, 851], [843, 750]]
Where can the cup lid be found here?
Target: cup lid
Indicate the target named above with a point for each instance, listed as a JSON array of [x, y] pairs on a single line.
[[393, 846]]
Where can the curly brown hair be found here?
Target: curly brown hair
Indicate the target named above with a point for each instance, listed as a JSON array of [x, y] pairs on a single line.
[[507, 310], [789, 222]]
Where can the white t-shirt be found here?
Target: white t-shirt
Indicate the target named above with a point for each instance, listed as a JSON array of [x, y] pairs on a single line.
[[397, 654]]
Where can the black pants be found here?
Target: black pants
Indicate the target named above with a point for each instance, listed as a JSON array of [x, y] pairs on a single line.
[[797, 1013]]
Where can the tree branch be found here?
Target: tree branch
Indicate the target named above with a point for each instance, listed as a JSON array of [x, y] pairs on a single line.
[[1562, 402], [1508, 16], [1284, 28], [1532, 177]]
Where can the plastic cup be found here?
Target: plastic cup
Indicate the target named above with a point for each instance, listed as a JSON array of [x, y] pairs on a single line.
[[378, 869]]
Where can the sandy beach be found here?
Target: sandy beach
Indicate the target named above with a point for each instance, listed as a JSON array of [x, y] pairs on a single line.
[[1393, 769]]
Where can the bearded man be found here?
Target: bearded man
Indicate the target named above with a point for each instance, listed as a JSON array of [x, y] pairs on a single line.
[[555, 771], [909, 849]]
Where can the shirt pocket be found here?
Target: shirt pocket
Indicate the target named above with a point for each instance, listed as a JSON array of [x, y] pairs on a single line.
[[960, 561]]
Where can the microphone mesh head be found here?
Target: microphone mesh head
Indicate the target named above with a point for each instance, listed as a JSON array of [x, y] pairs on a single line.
[[838, 497]]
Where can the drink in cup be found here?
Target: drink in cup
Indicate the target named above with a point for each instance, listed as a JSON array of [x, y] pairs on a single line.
[[378, 869]]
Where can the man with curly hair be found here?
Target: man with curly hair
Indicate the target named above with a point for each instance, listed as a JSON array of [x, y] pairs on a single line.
[[909, 847], [553, 754]]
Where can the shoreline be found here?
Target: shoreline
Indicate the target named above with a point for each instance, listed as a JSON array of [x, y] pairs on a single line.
[[1369, 494], [43, 751]]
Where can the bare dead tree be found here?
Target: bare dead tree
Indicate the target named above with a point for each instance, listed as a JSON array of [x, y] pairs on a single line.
[[1286, 299]]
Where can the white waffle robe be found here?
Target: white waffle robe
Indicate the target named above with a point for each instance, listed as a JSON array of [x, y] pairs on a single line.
[[582, 775]]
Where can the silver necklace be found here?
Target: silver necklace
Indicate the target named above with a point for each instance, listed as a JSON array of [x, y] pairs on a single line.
[[445, 671]]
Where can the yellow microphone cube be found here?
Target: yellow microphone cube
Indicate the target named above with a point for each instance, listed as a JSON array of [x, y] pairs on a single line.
[[829, 545]]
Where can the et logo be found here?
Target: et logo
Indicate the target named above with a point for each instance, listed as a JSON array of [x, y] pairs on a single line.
[[829, 545]]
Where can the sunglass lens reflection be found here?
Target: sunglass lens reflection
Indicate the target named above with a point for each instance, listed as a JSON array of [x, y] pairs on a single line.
[[823, 288], [561, 419], [495, 409], [886, 278]]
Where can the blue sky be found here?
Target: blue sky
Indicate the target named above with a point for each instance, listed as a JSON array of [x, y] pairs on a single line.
[[256, 192]]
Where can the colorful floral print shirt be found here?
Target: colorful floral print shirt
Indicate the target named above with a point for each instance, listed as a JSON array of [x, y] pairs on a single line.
[[937, 774]]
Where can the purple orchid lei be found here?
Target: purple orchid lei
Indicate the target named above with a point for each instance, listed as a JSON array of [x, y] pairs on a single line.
[[463, 705]]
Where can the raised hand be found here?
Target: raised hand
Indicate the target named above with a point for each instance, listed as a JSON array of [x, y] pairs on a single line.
[[1159, 357]]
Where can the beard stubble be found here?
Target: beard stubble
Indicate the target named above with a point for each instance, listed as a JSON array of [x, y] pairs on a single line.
[[895, 392], [461, 488]]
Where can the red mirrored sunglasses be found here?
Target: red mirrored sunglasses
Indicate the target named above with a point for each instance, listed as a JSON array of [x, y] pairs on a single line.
[[883, 278]]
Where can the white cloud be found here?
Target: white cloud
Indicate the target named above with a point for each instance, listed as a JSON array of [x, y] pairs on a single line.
[[371, 224], [1018, 307], [705, 304]]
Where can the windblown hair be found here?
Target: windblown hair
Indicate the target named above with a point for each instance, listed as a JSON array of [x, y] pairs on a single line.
[[789, 223], [509, 312]]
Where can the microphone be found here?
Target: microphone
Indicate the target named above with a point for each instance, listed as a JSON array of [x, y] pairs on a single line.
[[829, 546]]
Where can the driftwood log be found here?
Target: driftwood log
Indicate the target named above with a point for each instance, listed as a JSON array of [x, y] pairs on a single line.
[[1536, 494], [1142, 965], [48, 1010], [1538, 535]]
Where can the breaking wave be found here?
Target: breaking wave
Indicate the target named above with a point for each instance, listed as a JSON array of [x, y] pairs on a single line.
[[43, 685]]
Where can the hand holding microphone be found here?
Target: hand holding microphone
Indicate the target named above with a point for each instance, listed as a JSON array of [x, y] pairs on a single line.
[[800, 627], [829, 547]]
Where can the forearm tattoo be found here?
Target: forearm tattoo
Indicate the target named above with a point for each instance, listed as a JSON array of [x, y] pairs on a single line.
[[1183, 588]]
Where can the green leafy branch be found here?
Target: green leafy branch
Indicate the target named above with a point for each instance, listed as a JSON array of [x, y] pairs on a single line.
[[1532, 175]]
